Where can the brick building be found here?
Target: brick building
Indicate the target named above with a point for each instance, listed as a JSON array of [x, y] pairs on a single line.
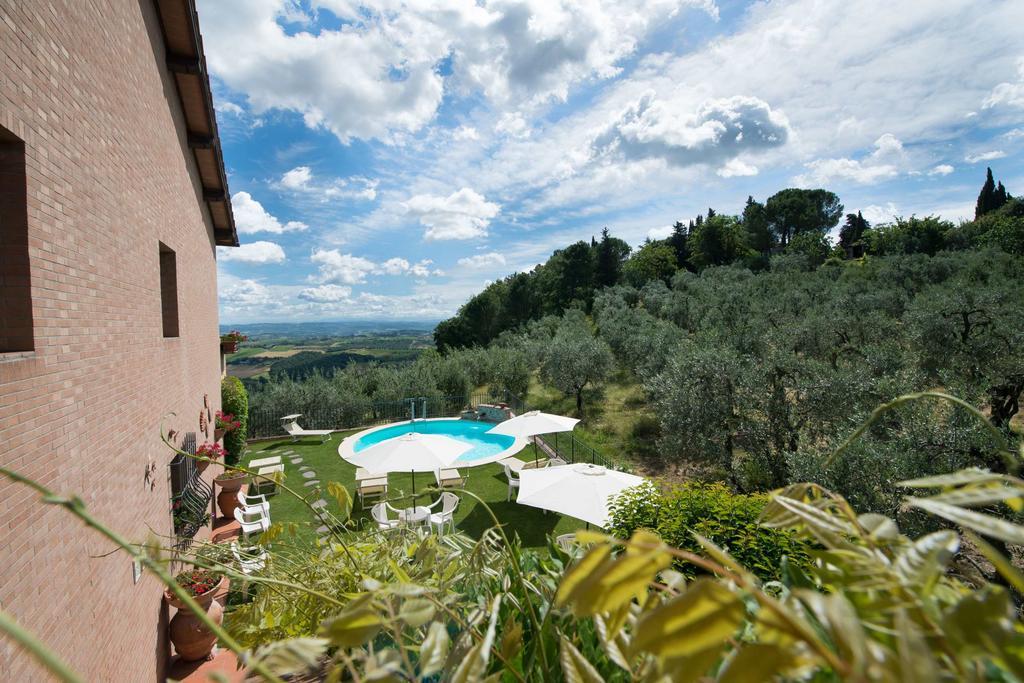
[[113, 198]]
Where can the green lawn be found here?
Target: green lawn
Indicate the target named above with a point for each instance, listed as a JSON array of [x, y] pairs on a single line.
[[487, 481]]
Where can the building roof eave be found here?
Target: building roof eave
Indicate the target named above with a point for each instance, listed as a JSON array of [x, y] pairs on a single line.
[[179, 23]]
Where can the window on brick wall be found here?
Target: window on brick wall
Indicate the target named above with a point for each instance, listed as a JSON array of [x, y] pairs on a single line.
[[15, 283], [169, 290]]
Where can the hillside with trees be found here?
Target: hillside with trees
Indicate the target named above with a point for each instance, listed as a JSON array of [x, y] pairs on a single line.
[[791, 223]]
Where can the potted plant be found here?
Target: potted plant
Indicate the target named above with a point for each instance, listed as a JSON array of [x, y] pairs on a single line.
[[229, 342], [230, 482], [224, 423], [213, 451], [192, 639]]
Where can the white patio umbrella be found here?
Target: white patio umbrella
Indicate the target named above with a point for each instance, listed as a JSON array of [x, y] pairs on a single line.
[[533, 423], [412, 452], [579, 491]]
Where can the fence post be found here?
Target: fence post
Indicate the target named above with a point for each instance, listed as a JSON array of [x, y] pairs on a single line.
[[573, 442]]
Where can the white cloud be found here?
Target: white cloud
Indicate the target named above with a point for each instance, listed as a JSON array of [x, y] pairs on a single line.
[[1014, 134], [465, 133], [250, 217], [736, 168], [941, 169], [883, 163], [716, 132], [875, 214], [395, 266], [298, 178], [513, 124], [344, 268], [480, 261], [985, 156], [659, 233], [227, 107], [301, 179], [349, 269], [326, 294], [462, 215], [259, 252], [378, 73], [241, 293], [1010, 94]]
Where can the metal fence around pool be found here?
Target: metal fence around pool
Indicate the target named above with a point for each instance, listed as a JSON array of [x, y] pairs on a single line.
[[267, 424]]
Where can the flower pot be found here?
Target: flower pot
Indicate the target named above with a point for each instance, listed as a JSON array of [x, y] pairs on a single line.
[[218, 434], [192, 639], [227, 499], [201, 466], [228, 346]]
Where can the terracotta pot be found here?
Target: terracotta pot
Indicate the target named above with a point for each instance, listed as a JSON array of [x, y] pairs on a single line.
[[227, 499], [192, 639], [201, 466], [218, 434], [228, 346]]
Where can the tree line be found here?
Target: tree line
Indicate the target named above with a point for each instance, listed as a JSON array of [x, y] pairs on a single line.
[[793, 222]]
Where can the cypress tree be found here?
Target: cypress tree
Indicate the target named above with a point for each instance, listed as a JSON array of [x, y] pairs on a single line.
[[987, 197], [678, 242], [1001, 196]]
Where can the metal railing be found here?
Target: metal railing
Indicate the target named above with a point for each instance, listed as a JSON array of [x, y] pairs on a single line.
[[267, 423], [190, 495]]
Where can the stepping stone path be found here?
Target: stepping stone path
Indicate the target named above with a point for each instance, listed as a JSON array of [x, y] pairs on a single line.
[[309, 475]]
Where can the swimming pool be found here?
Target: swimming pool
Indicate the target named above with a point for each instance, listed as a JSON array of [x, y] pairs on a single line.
[[485, 447]]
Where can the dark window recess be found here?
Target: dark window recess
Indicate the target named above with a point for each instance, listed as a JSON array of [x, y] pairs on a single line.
[[169, 290], [15, 283]]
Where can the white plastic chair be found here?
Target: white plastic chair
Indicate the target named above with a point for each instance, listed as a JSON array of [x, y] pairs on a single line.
[[513, 481], [254, 503], [379, 512], [448, 503], [252, 522], [250, 561], [567, 542]]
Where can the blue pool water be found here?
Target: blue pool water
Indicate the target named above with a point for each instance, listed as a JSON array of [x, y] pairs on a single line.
[[474, 433]]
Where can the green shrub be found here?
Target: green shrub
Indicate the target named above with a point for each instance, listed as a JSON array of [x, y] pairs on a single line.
[[716, 513], [234, 400]]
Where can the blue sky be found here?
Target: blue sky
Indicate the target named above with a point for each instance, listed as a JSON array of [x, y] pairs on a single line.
[[388, 159]]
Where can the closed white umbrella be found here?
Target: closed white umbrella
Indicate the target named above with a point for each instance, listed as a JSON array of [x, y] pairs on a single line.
[[534, 423], [412, 452], [579, 491]]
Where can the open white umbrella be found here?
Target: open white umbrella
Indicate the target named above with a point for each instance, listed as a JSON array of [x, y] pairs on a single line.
[[412, 452], [534, 423], [579, 491]]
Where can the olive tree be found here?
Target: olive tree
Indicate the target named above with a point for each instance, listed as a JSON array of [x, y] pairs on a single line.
[[576, 359]]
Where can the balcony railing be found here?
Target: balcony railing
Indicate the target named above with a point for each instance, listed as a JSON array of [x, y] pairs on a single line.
[[190, 495]]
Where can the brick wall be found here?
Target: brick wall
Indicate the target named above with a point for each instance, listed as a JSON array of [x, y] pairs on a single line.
[[109, 177]]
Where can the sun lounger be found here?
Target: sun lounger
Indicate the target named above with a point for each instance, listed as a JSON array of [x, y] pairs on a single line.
[[291, 425], [450, 478], [263, 462]]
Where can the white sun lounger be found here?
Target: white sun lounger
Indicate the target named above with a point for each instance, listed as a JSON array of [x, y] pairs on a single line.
[[291, 425]]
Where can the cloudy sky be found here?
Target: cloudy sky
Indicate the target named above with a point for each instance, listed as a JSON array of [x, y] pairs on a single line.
[[387, 159]]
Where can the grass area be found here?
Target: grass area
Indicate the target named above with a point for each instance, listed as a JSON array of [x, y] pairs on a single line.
[[609, 414], [487, 481]]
